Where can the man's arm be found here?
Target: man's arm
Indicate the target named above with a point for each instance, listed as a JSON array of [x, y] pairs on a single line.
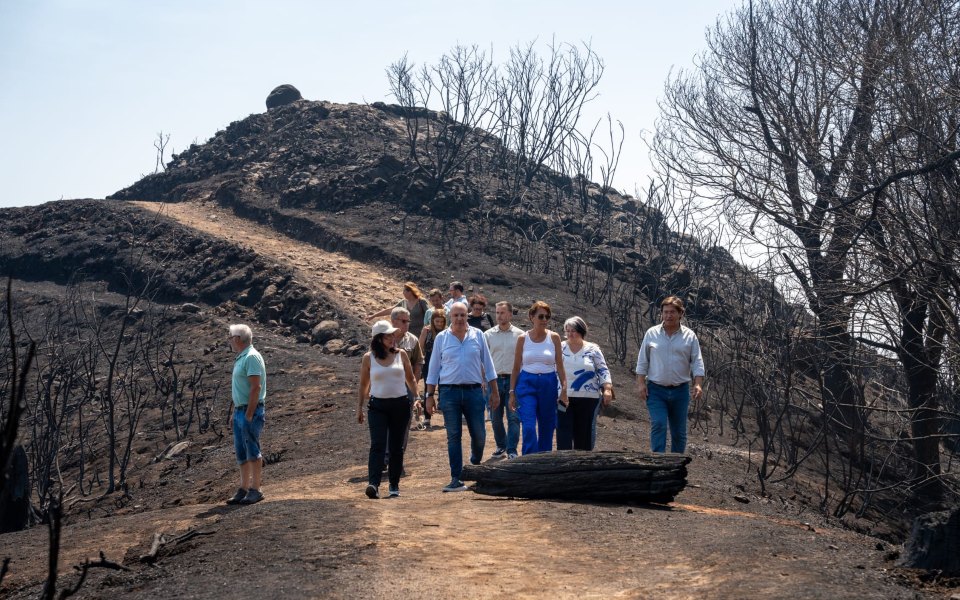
[[697, 368], [254, 398], [489, 371], [641, 368]]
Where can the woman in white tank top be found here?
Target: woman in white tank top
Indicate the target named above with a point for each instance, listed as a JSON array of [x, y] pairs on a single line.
[[385, 377], [538, 381]]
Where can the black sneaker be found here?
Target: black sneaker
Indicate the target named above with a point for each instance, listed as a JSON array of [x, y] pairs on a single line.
[[252, 497], [394, 492], [499, 452], [238, 497], [455, 485], [373, 492]]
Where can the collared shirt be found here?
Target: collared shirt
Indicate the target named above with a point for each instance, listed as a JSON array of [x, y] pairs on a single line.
[[503, 347], [670, 359], [449, 304], [453, 361], [411, 345], [248, 362]]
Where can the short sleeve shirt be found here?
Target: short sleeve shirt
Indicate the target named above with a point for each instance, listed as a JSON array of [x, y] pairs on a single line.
[[247, 363]]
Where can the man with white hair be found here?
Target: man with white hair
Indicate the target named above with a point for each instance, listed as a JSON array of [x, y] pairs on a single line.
[[249, 387]]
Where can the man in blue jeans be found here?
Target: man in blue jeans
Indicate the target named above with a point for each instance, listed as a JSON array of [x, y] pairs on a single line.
[[460, 363], [669, 354], [502, 341], [249, 390]]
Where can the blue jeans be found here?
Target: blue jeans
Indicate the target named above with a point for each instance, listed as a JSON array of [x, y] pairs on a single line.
[[505, 438], [457, 404], [537, 396], [668, 407], [389, 420], [246, 435], [577, 426]]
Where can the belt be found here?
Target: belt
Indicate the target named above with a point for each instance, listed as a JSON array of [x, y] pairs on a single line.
[[244, 407], [668, 387], [462, 386]]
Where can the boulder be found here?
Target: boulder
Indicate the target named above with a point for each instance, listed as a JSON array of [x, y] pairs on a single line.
[[335, 346], [283, 94], [325, 331]]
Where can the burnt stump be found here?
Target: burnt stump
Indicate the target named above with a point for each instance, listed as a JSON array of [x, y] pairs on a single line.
[[580, 475]]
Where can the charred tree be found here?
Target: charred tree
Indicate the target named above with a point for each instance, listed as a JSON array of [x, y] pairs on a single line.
[[580, 475]]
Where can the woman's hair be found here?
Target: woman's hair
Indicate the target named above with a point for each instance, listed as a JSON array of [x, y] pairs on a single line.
[[443, 315], [578, 325], [478, 298], [413, 289], [673, 301], [243, 332], [537, 306], [378, 347]]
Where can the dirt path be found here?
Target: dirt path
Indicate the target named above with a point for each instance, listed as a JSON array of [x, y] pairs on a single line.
[[353, 286], [317, 535]]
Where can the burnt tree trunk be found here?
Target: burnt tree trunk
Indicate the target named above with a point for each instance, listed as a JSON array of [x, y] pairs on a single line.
[[581, 475]]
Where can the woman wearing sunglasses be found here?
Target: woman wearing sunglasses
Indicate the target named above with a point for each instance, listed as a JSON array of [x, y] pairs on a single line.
[[538, 380]]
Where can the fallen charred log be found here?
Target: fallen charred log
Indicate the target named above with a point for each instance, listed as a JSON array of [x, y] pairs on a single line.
[[579, 475]]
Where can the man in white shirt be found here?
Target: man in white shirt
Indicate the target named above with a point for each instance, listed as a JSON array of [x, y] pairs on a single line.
[[456, 296], [502, 341], [668, 356]]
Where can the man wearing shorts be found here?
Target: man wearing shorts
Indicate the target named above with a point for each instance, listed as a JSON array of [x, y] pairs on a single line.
[[249, 389]]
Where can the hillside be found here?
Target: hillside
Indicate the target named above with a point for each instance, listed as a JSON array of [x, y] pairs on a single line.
[[304, 215]]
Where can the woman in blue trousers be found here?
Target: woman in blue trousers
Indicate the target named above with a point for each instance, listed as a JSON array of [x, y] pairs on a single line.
[[538, 381]]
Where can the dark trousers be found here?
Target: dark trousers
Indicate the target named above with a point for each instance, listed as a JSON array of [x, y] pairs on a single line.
[[387, 418], [576, 426]]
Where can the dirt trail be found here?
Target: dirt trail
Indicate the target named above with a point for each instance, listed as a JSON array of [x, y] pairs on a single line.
[[317, 535], [353, 286]]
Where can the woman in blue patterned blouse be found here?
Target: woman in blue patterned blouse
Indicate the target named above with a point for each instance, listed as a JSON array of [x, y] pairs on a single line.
[[588, 386]]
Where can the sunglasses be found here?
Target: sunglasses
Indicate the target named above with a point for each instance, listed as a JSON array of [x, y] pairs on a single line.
[[543, 317], [404, 320]]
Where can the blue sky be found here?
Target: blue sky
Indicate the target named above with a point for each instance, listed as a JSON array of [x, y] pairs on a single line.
[[86, 85]]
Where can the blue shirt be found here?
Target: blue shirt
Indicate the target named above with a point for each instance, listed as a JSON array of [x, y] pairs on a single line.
[[454, 361], [247, 363]]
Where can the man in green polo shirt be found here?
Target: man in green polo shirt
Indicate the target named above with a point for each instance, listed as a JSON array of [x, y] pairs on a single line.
[[249, 388]]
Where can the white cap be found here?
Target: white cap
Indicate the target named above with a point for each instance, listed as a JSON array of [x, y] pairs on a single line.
[[382, 327]]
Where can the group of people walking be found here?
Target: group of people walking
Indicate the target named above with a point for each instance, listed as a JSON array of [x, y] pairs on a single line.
[[531, 382]]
